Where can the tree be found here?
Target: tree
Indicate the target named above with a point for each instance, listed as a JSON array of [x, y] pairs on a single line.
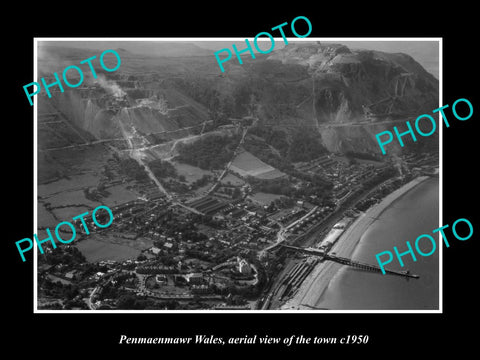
[[126, 302], [236, 193], [162, 169]]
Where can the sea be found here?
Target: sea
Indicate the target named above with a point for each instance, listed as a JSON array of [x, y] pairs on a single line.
[[413, 214]]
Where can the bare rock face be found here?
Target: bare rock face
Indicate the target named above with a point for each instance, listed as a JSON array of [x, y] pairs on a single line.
[[350, 84], [345, 96]]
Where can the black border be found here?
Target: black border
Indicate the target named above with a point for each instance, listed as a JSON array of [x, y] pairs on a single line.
[[95, 334]]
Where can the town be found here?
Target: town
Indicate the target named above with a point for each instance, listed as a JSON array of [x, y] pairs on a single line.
[[212, 251]]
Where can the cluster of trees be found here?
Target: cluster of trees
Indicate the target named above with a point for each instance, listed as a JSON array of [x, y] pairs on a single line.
[[263, 151], [388, 173], [156, 269], [175, 186], [131, 302], [162, 169], [170, 225], [366, 203], [361, 155], [204, 180], [234, 192], [301, 145], [245, 94], [167, 260], [246, 292], [206, 220], [108, 172], [67, 255], [316, 180], [197, 254], [273, 137], [58, 290], [96, 194], [282, 203], [110, 291], [194, 236], [123, 277], [305, 146], [314, 185], [202, 89], [180, 185], [278, 186], [155, 138], [133, 169], [212, 152]]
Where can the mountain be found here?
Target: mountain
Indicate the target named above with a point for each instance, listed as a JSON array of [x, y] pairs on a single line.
[[157, 100], [142, 48], [424, 52], [346, 81]]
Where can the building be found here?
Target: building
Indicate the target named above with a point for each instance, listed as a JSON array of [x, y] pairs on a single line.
[[155, 250], [200, 289], [72, 275], [161, 279], [195, 278], [244, 267]]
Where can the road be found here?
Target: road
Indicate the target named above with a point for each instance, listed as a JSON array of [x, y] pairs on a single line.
[[280, 239], [349, 124], [235, 153], [283, 230], [90, 304]]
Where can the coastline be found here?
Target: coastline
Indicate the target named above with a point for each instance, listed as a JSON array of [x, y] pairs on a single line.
[[318, 280]]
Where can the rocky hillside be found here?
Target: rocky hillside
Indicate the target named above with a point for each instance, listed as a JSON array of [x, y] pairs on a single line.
[[347, 84], [344, 96]]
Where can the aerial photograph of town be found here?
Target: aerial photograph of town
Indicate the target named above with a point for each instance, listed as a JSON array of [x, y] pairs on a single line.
[[261, 187]]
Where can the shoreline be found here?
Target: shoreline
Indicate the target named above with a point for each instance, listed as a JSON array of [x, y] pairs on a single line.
[[315, 284]]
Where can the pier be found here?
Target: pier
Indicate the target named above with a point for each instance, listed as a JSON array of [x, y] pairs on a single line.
[[345, 261]]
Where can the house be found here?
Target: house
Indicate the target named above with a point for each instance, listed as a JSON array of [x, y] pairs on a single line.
[[161, 279], [72, 275], [244, 267], [195, 278], [155, 250], [200, 289]]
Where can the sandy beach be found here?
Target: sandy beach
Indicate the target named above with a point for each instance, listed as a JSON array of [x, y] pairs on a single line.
[[317, 281]]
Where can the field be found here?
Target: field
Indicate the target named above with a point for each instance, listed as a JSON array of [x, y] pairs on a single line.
[[111, 249], [247, 164], [67, 213], [75, 182], [54, 278], [191, 173], [69, 203], [70, 197], [273, 174], [232, 180], [201, 190], [119, 195], [264, 198], [44, 218]]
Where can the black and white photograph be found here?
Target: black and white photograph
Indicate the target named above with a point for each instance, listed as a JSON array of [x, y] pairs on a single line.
[[262, 187]]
